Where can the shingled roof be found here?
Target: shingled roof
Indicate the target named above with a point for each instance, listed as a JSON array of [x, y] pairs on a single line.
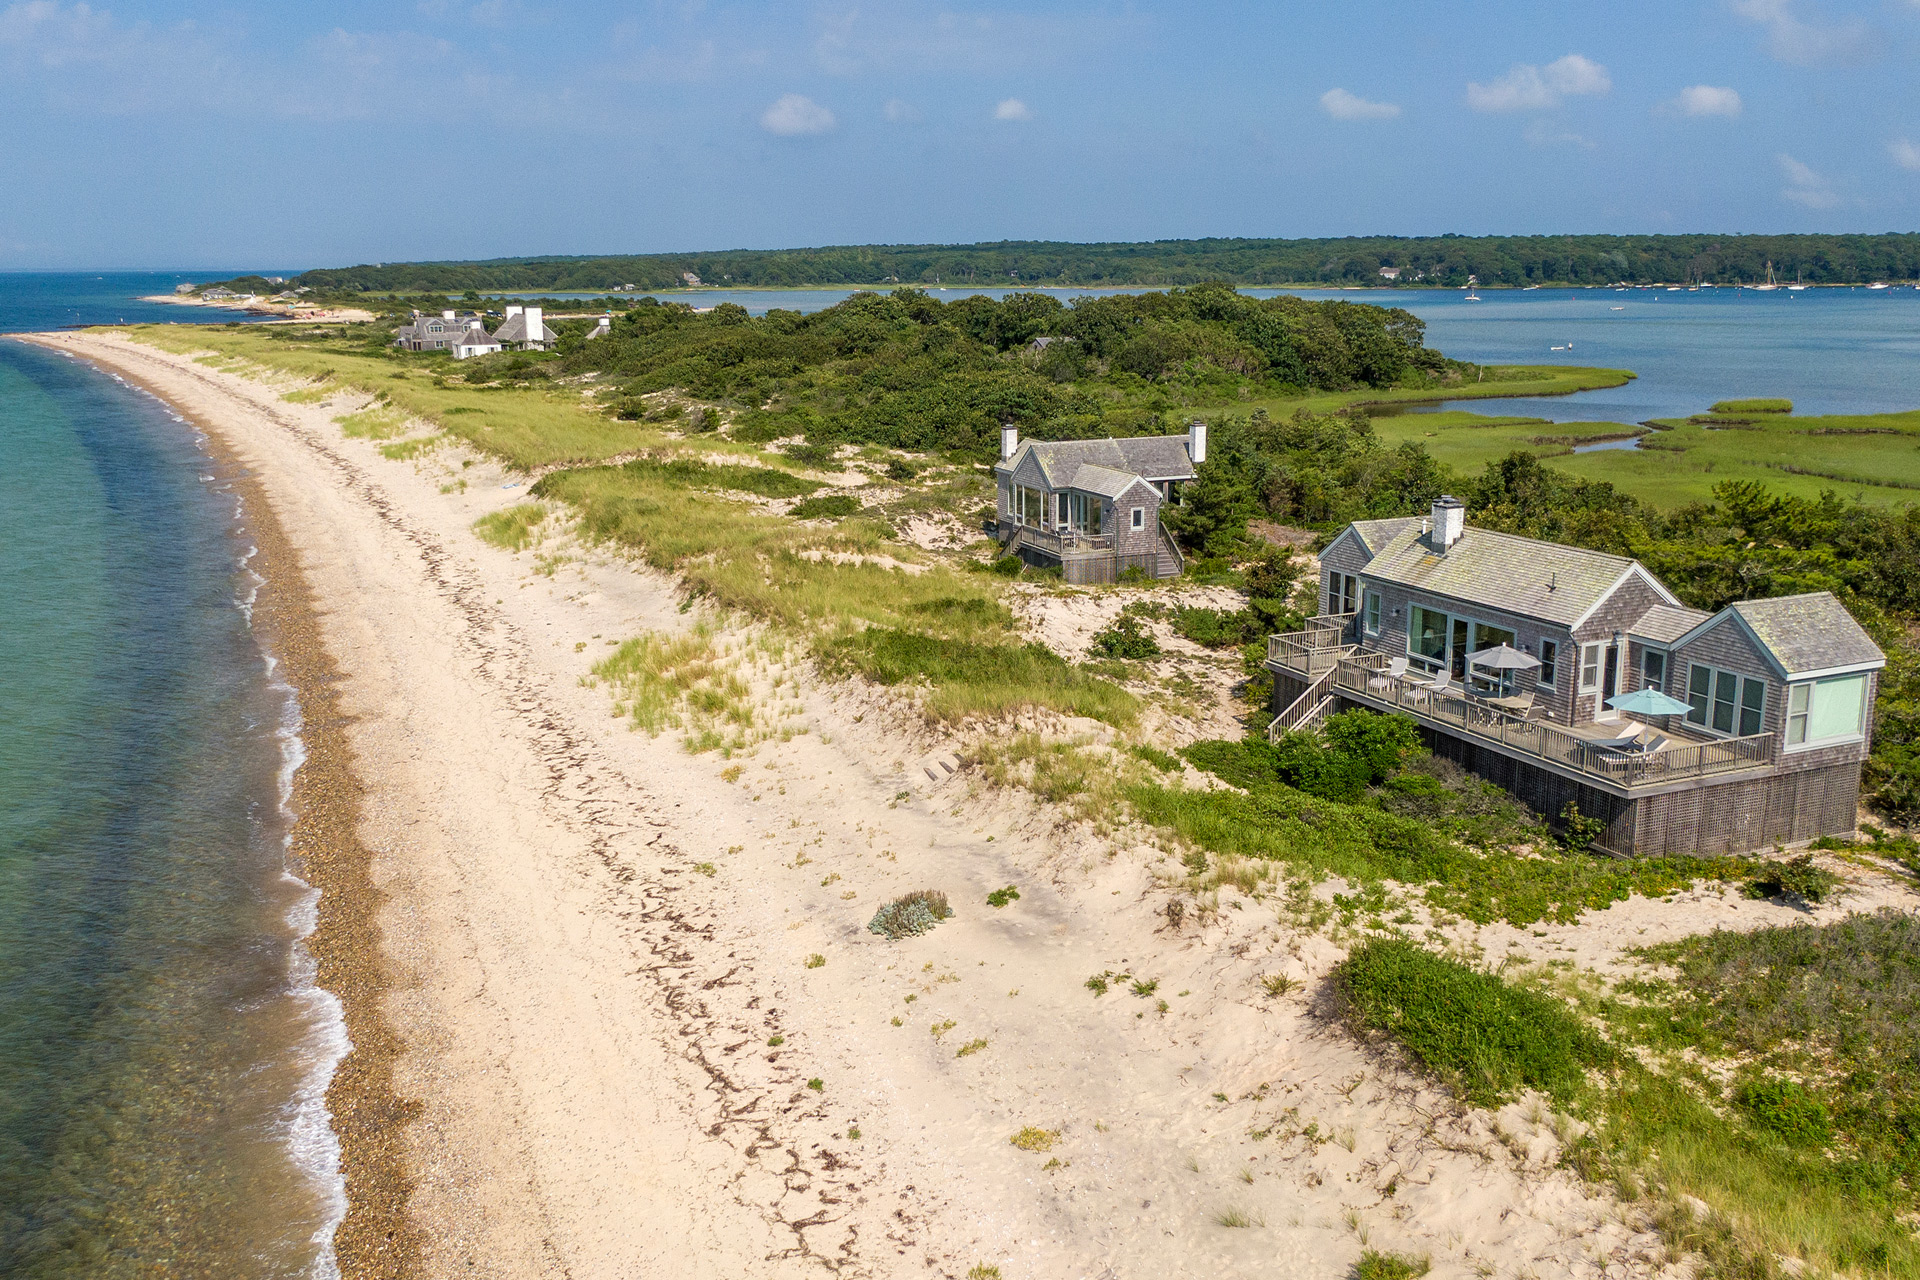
[[1808, 633], [1663, 624], [1105, 481], [1150, 457], [1375, 534], [1543, 580]]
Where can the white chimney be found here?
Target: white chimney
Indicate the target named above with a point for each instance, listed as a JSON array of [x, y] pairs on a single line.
[[446, 315], [1009, 440], [533, 324], [512, 312], [1197, 441], [1449, 521]]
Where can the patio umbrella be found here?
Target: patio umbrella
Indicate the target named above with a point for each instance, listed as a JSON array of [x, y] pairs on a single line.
[[1503, 657], [1648, 702]]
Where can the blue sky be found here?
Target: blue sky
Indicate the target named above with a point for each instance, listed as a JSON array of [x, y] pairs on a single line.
[[191, 134]]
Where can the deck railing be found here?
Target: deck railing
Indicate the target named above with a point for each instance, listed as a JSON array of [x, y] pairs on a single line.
[[1314, 650], [1363, 679]]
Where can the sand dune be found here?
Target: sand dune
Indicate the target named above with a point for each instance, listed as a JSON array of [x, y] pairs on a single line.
[[595, 939]]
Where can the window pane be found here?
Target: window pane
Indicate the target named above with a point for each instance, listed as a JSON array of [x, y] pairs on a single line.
[[1653, 669], [1427, 634], [1549, 659], [1836, 708], [1724, 684], [1797, 699], [1698, 680], [1373, 611], [1753, 705], [1590, 666]]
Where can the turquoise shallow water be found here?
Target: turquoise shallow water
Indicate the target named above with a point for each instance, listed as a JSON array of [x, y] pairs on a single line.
[[163, 1052]]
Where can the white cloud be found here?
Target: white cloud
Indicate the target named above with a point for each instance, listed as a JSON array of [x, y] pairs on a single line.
[[1575, 76], [899, 111], [1706, 100], [1804, 186], [1526, 87], [795, 115], [1342, 105], [1805, 43], [1012, 109], [1904, 153]]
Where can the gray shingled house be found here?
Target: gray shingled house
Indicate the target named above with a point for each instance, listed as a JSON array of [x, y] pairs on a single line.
[[1092, 507], [1538, 666], [444, 332], [524, 328]]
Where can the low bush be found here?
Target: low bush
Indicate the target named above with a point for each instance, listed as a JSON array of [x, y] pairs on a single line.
[[1795, 878], [1125, 638], [1487, 1038], [1375, 1265], [1784, 1108], [910, 914], [1216, 628]]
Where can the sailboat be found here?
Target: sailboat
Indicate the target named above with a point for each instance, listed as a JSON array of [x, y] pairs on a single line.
[[1878, 284], [1798, 284], [1769, 286]]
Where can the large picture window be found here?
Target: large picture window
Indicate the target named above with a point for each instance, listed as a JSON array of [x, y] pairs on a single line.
[[1083, 512], [1725, 701], [1833, 710], [1427, 637], [1027, 505]]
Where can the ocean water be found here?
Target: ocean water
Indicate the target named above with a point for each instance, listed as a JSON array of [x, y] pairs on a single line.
[[1827, 350], [164, 1052]]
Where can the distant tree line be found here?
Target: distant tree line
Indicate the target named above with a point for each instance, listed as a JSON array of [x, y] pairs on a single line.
[[1448, 261]]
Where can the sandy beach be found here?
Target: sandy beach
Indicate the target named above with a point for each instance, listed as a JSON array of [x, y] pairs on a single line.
[[593, 1040], [264, 307]]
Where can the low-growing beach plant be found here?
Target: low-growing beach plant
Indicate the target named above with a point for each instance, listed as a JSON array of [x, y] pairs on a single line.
[[831, 506], [1125, 638], [1001, 897], [816, 960], [1376, 1265], [1278, 984], [970, 1048], [817, 1084], [774, 1042], [983, 1271], [1097, 984], [1035, 1139], [1795, 877], [1236, 1217], [910, 914]]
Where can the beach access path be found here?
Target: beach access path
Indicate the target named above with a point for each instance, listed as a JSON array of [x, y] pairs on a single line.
[[593, 939]]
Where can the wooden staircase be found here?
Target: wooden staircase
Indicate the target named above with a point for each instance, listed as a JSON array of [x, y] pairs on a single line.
[[1307, 710]]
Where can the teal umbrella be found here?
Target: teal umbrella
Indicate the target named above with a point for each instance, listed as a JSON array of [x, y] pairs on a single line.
[[1648, 702]]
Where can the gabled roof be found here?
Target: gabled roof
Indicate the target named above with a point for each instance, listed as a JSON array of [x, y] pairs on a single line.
[[1665, 623], [514, 329], [1375, 534], [1105, 481], [1534, 579], [1802, 635], [1151, 457]]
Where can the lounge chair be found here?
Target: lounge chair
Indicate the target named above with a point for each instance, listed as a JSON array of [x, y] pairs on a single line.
[[1626, 742], [1396, 671]]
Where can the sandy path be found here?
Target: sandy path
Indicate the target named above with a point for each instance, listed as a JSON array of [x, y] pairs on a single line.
[[587, 1012]]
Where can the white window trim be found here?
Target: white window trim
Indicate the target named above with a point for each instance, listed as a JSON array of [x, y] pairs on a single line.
[[1370, 611], [1599, 667], [1666, 667], [1821, 744], [1553, 680], [1741, 680], [1139, 517]]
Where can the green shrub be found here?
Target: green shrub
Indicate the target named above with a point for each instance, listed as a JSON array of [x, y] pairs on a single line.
[[1125, 638], [1579, 831], [1785, 1109], [1001, 897], [831, 506], [1487, 1038], [901, 471], [1216, 628], [812, 455], [910, 914], [1008, 566], [1795, 878]]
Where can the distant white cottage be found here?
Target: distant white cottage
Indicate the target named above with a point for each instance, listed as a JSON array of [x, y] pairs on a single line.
[[524, 328]]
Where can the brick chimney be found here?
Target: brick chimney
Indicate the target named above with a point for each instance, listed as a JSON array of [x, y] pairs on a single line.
[[1449, 521]]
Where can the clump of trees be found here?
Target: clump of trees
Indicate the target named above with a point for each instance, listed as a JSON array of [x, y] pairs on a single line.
[[907, 370]]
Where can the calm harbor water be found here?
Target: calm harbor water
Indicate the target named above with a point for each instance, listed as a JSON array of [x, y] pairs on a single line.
[[1827, 350], [164, 1052]]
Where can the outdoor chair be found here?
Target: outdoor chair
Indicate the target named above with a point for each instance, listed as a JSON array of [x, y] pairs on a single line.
[[1396, 671], [1626, 742]]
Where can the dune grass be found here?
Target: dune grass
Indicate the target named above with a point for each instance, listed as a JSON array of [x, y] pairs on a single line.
[[1760, 405], [1490, 1040], [511, 529], [1771, 1077]]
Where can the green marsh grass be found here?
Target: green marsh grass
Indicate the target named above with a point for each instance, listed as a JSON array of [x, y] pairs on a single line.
[[513, 528]]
